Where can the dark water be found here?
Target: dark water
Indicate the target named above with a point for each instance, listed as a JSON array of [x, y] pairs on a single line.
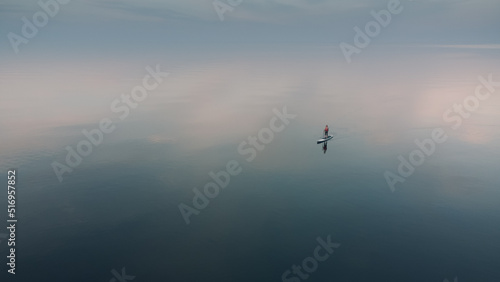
[[119, 208]]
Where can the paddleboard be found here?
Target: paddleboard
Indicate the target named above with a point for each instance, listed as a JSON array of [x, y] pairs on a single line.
[[324, 139]]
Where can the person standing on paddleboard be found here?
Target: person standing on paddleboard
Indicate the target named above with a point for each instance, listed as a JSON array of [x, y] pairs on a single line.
[[326, 131]]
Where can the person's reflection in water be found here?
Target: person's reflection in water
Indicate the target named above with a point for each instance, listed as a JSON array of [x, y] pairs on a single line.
[[325, 147]]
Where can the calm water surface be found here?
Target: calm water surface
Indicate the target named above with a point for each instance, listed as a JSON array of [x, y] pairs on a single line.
[[119, 208]]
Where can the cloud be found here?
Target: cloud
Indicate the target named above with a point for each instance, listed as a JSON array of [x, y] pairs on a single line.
[[248, 10], [115, 22], [465, 46]]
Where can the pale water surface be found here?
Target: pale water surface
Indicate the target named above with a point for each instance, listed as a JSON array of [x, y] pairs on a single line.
[[119, 208]]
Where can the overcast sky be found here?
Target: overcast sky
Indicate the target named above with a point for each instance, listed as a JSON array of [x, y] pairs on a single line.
[[93, 25]]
